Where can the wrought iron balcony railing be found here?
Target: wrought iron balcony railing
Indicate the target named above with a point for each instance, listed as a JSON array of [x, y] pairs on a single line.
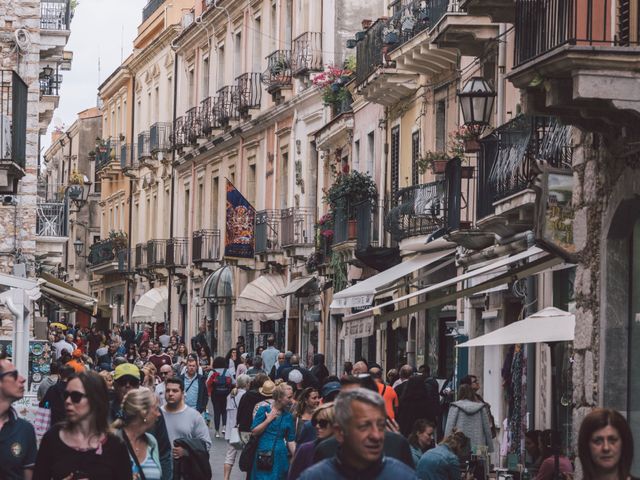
[[160, 137], [278, 72], [101, 252], [144, 147], [122, 256], [192, 127], [156, 253], [248, 92], [544, 25], [267, 232], [105, 153], [355, 221], [51, 219], [141, 256], [178, 137], [307, 53], [55, 15], [177, 252], [151, 7], [13, 117], [207, 117], [50, 85], [226, 106], [206, 246], [510, 156], [297, 226]]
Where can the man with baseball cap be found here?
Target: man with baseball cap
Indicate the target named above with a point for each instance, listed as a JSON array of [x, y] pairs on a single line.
[[127, 377]]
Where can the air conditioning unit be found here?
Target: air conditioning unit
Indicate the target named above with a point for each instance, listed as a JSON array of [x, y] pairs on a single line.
[[187, 19]]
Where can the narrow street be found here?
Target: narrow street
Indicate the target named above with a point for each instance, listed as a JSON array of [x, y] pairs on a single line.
[[216, 458]]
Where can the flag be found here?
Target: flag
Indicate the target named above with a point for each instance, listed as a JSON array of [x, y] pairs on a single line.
[[240, 221]]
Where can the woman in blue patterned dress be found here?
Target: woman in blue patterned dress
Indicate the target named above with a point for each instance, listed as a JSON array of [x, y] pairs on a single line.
[[274, 423]]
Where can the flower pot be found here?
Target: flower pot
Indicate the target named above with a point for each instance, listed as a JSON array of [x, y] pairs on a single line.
[[439, 166], [352, 229], [471, 145], [391, 38], [467, 172]]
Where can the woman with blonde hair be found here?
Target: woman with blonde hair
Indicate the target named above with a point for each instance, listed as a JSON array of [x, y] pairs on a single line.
[[149, 370], [322, 420], [137, 416], [444, 461]]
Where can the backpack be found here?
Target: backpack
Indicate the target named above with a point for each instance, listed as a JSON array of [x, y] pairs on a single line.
[[222, 384]]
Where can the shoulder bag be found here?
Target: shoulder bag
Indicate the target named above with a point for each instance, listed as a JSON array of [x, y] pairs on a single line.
[[234, 438], [264, 460]]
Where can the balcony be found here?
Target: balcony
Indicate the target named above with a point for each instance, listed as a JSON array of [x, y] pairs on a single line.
[[248, 92], [144, 147], [297, 226], [141, 256], [509, 166], [51, 219], [106, 258], [306, 55], [156, 255], [355, 231], [109, 158], [192, 126], [206, 248], [55, 15], [13, 130], [177, 255], [178, 137], [129, 160], [150, 7], [160, 137], [574, 61], [377, 79], [500, 11], [267, 234], [226, 107], [207, 117], [278, 74]]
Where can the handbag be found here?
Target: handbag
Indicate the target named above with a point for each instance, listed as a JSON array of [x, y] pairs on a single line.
[[264, 460], [248, 453], [234, 439]]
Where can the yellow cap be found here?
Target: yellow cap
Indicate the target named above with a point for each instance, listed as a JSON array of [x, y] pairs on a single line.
[[126, 369]]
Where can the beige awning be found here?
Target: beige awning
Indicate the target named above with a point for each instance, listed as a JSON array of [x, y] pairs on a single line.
[[260, 300], [60, 292], [296, 285], [152, 306]]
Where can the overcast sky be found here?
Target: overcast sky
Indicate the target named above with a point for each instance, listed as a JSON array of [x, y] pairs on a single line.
[[102, 29]]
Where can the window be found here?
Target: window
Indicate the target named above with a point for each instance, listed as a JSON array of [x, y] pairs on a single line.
[[205, 79], [274, 27], [191, 78], [395, 160], [257, 45], [169, 95], [156, 104], [284, 175], [220, 80], [415, 156], [200, 207], [215, 192], [237, 55], [288, 25], [251, 182], [356, 155], [441, 126], [185, 217], [370, 152]]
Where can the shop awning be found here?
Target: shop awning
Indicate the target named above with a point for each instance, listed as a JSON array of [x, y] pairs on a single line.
[[219, 285], [260, 300], [64, 294], [363, 293], [151, 307], [548, 325], [439, 294], [296, 285]]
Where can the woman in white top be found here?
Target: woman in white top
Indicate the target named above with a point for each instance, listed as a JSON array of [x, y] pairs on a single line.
[[233, 400]]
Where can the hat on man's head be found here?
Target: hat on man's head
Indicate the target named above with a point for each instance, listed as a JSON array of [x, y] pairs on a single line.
[[126, 370], [295, 376], [267, 388]]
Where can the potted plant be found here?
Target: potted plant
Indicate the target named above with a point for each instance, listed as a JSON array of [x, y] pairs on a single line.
[[390, 35], [333, 84], [436, 161], [465, 138], [119, 240]]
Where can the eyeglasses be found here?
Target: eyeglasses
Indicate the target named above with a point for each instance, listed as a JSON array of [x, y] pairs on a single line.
[[128, 383], [320, 423], [75, 396], [12, 373]]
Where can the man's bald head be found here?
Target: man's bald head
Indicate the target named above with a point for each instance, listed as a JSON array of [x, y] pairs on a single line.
[[360, 368], [406, 371]]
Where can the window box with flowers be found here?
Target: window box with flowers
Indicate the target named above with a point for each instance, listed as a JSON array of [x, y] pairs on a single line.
[[333, 83]]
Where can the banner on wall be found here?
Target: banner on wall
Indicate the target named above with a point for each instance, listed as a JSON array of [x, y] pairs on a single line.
[[240, 225]]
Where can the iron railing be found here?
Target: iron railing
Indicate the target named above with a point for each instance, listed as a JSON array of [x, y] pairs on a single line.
[[141, 256], [156, 253], [150, 7], [144, 150], [206, 246], [103, 153], [51, 219], [13, 117], [370, 51], [510, 157], [297, 226], [267, 231], [278, 72], [192, 126], [101, 252], [55, 15], [248, 92], [160, 137], [122, 256], [544, 25], [418, 210], [177, 252], [207, 117], [50, 84], [412, 17], [307, 53], [178, 137], [226, 106]]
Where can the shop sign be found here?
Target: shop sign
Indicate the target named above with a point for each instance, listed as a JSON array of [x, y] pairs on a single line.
[[360, 328]]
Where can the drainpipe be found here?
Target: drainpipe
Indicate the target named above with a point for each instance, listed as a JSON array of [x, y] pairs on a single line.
[[502, 68], [531, 307], [172, 190], [66, 246], [131, 184]]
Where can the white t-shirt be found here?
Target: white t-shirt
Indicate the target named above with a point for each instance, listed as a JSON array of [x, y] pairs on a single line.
[[61, 345]]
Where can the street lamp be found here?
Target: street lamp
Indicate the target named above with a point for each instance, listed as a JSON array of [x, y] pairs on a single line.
[[47, 71], [78, 246], [476, 100]]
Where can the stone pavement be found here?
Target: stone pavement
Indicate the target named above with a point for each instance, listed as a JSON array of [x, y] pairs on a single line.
[[217, 455]]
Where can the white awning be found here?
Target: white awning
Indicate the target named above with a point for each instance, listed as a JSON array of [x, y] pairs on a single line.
[[548, 325], [260, 300], [543, 261], [362, 293], [295, 285], [60, 292], [151, 307]]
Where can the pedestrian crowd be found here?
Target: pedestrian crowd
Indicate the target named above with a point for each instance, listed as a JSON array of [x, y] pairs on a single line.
[[130, 406]]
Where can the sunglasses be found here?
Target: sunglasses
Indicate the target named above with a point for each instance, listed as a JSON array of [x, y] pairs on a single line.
[[128, 383], [75, 396], [320, 423], [13, 374]]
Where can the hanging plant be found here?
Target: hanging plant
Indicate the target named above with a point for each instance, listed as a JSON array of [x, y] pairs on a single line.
[[333, 84], [353, 187]]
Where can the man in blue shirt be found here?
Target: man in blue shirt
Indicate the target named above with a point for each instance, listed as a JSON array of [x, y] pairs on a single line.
[[195, 388], [360, 422], [270, 355], [18, 446]]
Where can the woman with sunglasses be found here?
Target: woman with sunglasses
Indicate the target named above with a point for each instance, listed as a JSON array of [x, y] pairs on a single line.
[[322, 420], [82, 446], [137, 417]]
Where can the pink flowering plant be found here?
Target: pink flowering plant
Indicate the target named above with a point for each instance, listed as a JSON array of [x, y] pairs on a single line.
[[332, 82]]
